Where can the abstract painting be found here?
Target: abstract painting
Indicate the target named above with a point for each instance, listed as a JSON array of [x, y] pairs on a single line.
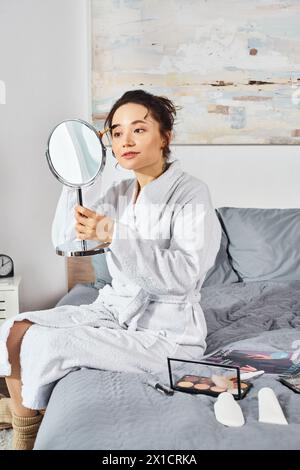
[[232, 67]]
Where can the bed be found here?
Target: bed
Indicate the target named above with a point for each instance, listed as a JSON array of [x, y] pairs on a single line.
[[253, 304]]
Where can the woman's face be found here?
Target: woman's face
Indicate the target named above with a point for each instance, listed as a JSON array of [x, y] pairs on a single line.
[[136, 139]]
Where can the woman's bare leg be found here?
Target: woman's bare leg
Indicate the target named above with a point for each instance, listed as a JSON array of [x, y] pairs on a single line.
[[13, 382]]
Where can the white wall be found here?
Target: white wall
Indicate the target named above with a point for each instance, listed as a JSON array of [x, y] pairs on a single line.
[[44, 62]]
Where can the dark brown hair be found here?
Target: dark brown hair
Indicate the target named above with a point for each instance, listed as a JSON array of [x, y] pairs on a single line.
[[161, 108]]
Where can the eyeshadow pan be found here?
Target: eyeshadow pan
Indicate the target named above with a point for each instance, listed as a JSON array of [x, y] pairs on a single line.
[[192, 378], [201, 386], [217, 389], [185, 384]]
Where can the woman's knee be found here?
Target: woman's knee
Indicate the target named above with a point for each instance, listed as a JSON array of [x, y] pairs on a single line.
[[15, 337]]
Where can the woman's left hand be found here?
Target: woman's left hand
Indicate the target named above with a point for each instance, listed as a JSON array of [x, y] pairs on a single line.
[[93, 226]]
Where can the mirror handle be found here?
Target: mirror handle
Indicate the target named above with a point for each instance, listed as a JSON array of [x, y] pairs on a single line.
[[79, 200]]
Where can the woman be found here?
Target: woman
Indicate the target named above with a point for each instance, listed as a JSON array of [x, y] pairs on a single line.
[[164, 236]]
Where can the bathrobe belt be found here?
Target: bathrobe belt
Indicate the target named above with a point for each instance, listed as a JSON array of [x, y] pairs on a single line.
[[136, 308], [191, 297]]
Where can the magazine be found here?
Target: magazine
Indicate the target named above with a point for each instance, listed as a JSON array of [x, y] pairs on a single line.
[[292, 378], [276, 362]]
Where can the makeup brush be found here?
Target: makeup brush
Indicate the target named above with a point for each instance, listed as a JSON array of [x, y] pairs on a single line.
[[164, 389], [101, 133]]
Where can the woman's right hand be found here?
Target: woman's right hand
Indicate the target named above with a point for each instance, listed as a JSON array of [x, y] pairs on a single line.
[[93, 226]]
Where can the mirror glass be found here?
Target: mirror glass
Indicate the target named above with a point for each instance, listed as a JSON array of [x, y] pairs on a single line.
[[75, 153]]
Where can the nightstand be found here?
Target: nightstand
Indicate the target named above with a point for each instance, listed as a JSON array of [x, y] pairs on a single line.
[[9, 297]]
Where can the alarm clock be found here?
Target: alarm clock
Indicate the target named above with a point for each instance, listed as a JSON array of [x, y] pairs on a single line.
[[6, 266]]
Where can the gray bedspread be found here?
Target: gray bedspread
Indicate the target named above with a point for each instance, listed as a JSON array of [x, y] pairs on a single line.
[[97, 409]]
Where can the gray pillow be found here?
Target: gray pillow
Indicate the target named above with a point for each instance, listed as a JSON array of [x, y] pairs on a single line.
[[264, 244], [222, 272], [102, 274], [79, 294]]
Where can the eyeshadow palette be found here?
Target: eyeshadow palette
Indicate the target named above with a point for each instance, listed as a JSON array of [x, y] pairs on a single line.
[[199, 377], [211, 385]]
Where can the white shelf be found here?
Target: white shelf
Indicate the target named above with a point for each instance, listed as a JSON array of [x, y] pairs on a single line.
[[9, 297], [10, 282]]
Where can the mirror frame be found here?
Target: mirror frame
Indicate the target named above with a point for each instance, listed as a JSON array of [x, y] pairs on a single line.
[[60, 178]]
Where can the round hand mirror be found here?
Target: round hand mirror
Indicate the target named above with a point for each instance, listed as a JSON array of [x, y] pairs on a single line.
[[76, 156]]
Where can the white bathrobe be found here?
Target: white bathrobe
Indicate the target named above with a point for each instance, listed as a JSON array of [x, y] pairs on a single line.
[[164, 242]]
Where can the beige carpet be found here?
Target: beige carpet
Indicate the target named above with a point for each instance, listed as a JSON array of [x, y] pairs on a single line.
[[5, 439]]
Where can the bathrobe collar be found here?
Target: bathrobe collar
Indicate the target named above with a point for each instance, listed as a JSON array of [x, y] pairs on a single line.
[[157, 190]]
